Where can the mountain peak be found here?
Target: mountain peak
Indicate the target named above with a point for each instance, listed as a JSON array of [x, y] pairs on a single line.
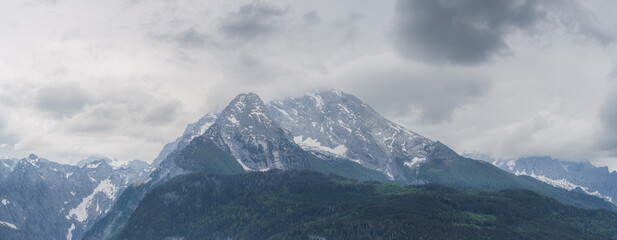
[[244, 124], [246, 101], [244, 110]]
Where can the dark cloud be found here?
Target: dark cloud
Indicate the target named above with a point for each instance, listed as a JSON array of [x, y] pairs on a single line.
[[252, 21], [434, 96], [61, 99], [469, 32], [460, 31]]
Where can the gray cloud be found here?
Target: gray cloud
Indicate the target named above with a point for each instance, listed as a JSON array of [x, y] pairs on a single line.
[[100, 118], [578, 19], [607, 141], [348, 25], [432, 97], [38, 2], [311, 18], [469, 32], [607, 113], [6, 140], [189, 38], [162, 113], [61, 99], [132, 60], [460, 31], [252, 21]]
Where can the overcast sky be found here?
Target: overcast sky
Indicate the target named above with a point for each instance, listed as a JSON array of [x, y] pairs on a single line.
[[121, 78]]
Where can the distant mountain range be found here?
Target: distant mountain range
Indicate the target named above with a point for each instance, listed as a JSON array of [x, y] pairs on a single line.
[[325, 131], [574, 176], [41, 199]]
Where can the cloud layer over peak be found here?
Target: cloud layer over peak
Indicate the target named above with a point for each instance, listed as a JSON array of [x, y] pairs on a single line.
[[122, 78]]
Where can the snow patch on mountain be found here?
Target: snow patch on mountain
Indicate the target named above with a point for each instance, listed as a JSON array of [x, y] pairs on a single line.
[[233, 120], [203, 127], [115, 164], [33, 160], [314, 145], [415, 162], [93, 165], [80, 213], [69, 235], [246, 168], [8, 224], [511, 164], [318, 100], [563, 183]]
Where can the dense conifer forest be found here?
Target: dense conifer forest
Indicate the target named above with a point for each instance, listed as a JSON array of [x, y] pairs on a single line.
[[310, 205]]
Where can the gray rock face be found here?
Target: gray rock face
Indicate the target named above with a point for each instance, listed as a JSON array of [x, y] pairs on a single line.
[[337, 124], [252, 136], [193, 130], [574, 176], [40, 199]]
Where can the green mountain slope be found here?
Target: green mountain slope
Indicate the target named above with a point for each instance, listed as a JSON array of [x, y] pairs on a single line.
[[448, 168], [310, 205]]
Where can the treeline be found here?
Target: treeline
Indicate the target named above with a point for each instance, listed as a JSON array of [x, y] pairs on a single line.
[[309, 205]]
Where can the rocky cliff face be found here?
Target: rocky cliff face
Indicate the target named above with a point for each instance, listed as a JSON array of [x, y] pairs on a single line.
[[46, 200], [337, 124]]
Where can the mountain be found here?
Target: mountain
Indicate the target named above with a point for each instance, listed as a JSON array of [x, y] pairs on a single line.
[[333, 123], [573, 176], [166, 168], [242, 138], [326, 131], [47, 200], [309, 205]]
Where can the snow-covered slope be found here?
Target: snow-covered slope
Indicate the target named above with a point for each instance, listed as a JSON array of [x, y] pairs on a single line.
[[339, 125], [573, 176], [258, 143], [46, 200]]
